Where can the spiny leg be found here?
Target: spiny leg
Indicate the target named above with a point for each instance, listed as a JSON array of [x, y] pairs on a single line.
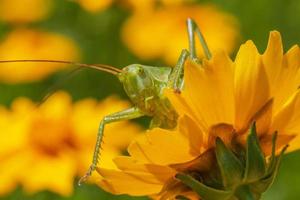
[[127, 114], [193, 28], [176, 77]]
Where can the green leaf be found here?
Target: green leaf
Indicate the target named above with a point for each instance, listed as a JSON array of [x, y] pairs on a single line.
[[205, 192], [255, 160], [230, 166]]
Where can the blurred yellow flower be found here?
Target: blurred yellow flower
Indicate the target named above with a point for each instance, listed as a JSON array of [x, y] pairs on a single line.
[[161, 33], [148, 5], [144, 5], [45, 148], [34, 44], [24, 11], [95, 5], [221, 98]]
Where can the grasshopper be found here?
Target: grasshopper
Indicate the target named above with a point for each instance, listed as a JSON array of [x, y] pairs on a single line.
[[144, 86]]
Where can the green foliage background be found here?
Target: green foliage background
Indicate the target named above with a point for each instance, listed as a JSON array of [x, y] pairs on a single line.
[[99, 39]]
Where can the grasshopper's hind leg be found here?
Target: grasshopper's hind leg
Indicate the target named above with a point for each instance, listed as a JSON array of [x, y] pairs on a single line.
[[192, 28], [127, 114]]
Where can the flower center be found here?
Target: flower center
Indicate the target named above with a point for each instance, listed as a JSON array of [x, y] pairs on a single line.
[[51, 136]]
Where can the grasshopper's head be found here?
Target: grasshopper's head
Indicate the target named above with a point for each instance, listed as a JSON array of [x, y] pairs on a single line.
[[136, 79]]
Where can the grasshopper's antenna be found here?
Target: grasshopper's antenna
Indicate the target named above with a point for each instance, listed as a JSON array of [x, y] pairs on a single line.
[[100, 67], [51, 90]]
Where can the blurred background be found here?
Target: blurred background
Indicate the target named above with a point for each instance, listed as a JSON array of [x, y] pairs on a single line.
[[117, 33]]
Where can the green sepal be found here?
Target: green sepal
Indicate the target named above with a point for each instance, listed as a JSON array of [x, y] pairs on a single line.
[[272, 162], [267, 180], [244, 193], [205, 192], [264, 183], [243, 177], [180, 197], [255, 160], [230, 166]]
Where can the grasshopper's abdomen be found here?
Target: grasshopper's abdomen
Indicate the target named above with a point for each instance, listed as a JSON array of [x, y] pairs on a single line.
[[144, 86]]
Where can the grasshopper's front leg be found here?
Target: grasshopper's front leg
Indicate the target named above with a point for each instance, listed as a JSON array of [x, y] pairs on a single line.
[[176, 77], [192, 29], [176, 80], [127, 114]]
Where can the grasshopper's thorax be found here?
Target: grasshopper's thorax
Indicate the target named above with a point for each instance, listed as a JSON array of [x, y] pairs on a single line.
[[144, 86]]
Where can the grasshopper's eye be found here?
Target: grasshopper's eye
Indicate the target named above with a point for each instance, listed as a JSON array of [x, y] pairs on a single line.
[[141, 72]]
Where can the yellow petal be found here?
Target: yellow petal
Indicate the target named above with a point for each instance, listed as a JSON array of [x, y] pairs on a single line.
[[53, 173], [134, 33], [15, 136], [149, 173], [294, 144], [10, 169], [272, 60], [169, 23], [263, 118], [34, 44], [162, 147], [24, 11], [95, 5], [193, 133], [87, 115], [282, 140], [287, 120], [223, 131], [181, 104], [251, 85], [57, 106], [289, 78], [119, 182], [207, 96]]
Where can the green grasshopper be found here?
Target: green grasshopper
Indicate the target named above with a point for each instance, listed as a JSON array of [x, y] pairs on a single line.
[[144, 86]]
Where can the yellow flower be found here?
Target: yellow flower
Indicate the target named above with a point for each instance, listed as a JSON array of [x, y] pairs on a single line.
[[146, 5], [34, 44], [95, 5], [221, 98], [98, 6], [45, 148], [24, 11], [161, 33]]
